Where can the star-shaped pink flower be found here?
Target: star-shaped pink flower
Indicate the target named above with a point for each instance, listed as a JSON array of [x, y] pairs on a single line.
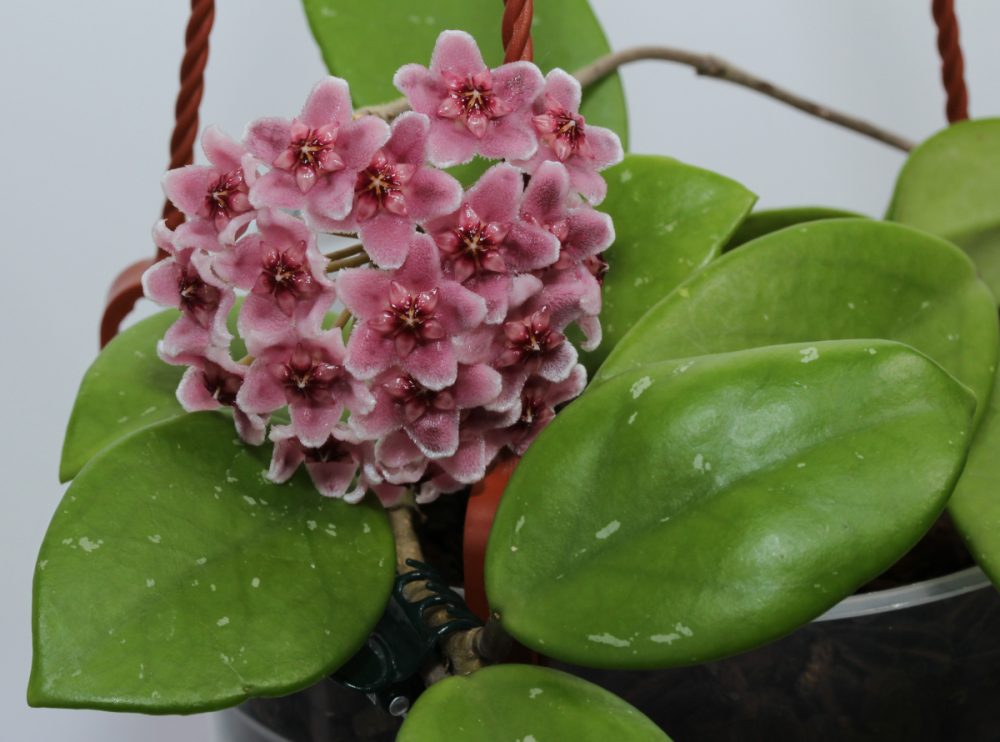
[[308, 375], [185, 281], [285, 275], [333, 465], [315, 158], [408, 317], [486, 241], [396, 192], [214, 381], [564, 136], [473, 110], [215, 197]]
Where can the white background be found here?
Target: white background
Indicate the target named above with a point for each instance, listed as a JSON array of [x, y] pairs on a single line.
[[85, 116]]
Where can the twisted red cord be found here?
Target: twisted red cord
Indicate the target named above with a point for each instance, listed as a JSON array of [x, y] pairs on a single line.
[[126, 289], [952, 63], [516, 30]]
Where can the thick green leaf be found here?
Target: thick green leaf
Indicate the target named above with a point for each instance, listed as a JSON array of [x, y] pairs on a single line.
[[693, 509], [670, 219], [766, 221], [521, 703], [950, 186], [366, 46], [975, 504], [174, 578], [826, 280], [126, 388]]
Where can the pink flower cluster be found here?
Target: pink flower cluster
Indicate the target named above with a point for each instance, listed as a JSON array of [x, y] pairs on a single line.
[[457, 345]]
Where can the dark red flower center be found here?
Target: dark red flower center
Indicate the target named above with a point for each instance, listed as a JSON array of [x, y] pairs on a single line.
[[227, 196], [199, 300], [471, 98], [562, 130], [331, 451], [530, 339], [307, 376], [409, 319], [221, 384], [416, 399], [287, 277], [380, 185]]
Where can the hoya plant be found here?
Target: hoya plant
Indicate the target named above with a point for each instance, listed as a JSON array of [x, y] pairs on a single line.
[[720, 423]]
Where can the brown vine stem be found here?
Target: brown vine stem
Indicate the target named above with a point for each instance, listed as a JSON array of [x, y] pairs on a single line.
[[464, 651], [342, 319], [353, 262], [345, 252], [707, 66]]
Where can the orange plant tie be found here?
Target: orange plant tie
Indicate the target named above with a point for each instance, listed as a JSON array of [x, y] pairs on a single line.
[[126, 289], [952, 63]]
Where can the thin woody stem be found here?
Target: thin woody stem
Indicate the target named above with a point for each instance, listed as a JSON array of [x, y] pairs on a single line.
[[345, 252], [462, 648], [353, 262], [342, 319], [707, 66]]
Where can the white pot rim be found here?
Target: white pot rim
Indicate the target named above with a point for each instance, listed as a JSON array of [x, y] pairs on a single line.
[[908, 596]]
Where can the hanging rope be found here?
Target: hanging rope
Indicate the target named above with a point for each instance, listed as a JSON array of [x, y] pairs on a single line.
[[516, 30], [952, 63], [126, 289]]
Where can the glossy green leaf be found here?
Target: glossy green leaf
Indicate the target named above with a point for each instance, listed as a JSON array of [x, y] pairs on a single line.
[[367, 46], [693, 509], [766, 221], [975, 504], [522, 703], [126, 388], [950, 186], [175, 578], [827, 280], [670, 219]]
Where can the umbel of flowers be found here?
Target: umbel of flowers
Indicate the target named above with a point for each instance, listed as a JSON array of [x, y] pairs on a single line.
[[457, 300]]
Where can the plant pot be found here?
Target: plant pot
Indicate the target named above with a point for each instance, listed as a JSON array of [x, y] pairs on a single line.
[[920, 662]]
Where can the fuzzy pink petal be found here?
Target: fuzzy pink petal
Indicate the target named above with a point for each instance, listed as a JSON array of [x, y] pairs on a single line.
[[494, 289], [313, 424], [369, 353], [192, 393], [333, 478], [433, 365], [160, 283], [545, 196], [396, 451], [476, 386], [287, 455], [459, 309], [383, 419], [268, 138], [435, 433], [497, 193], [587, 182], [529, 247], [261, 392], [590, 325], [559, 363], [387, 494], [423, 88], [432, 193], [468, 464], [513, 379], [329, 102], [387, 239], [568, 389], [450, 143], [408, 141], [422, 269], [276, 189], [524, 287], [562, 88], [364, 291], [590, 232], [518, 84], [201, 234], [251, 428], [605, 147], [509, 138], [188, 186], [221, 150], [359, 140], [456, 53], [332, 197], [186, 336]]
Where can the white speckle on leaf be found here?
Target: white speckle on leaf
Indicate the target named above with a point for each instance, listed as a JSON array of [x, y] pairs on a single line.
[[230, 478], [801, 465], [150, 582], [249, 500], [311, 525], [625, 176], [366, 528], [683, 367], [641, 386], [519, 525], [513, 548], [534, 693], [123, 419], [200, 561], [700, 464], [222, 621], [255, 582], [142, 671], [872, 351], [683, 629], [953, 337], [809, 354], [859, 456], [683, 292], [212, 587], [609, 639], [608, 529], [665, 638], [88, 546], [154, 539], [42, 563], [631, 418], [148, 411], [924, 304]]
